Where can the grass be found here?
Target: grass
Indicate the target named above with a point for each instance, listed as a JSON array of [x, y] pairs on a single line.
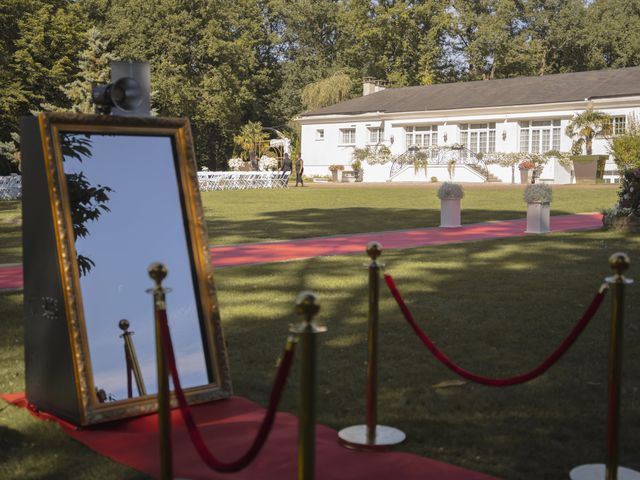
[[325, 209], [497, 307]]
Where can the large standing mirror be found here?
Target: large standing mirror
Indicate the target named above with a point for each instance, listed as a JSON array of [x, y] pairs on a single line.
[[124, 195]]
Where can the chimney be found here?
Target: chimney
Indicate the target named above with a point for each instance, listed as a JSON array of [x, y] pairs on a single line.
[[371, 85]]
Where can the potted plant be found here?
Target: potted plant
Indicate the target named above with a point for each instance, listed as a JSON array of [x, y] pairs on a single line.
[[625, 215], [356, 165], [336, 172], [526, 171], [450, 195], [538, 198], [583, 129]]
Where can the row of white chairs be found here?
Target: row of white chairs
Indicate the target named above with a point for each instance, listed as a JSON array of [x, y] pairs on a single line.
[[242, 180], [10, 187]]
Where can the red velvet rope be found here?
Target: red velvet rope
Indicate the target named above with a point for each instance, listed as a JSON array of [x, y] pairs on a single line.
[[192, 428], [498, 382]]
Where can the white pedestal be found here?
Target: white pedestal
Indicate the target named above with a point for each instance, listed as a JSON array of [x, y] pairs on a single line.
[[538, 218], [450, 213], [597, 471]]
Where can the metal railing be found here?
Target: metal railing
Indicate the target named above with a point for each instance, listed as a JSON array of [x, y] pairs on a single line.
[[436, 155]]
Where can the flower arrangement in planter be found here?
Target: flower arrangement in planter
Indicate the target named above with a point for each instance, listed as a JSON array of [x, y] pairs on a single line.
[[267, 163], [538, 197], [450, 191], [450, 195], [527, 165], [336, 172], [625, 215], [538, 193], [235, 163]]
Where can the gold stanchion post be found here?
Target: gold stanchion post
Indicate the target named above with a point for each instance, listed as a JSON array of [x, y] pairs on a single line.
[[372, 436], [307, 305], [131, 352], [157, 271], [619, 262]]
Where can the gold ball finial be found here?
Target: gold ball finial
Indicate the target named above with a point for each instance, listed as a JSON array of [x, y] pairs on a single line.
[[307, 304], [374, 250], [619, 262], [124, 324], [158, 272]]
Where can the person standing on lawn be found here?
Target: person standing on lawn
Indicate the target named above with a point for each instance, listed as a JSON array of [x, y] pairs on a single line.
[[286, 164], [299, 171]]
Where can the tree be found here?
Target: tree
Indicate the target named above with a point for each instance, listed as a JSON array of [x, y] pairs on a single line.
[[614, 28], [94, 70], [586, 126], [252, 140], [489, 39], [327, 91]]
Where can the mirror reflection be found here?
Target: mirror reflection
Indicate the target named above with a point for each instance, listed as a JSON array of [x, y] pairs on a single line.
[[126, 214]]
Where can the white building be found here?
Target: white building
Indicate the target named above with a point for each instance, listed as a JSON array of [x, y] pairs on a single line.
[[526, 114]]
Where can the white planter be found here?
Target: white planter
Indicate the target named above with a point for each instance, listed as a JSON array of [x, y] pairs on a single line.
[[538, 218], [450, 213]]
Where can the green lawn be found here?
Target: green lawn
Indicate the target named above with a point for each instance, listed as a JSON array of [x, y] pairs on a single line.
[[325, 209], [498, 307]]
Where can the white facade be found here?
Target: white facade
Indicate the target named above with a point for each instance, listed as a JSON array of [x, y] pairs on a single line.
[[331, 139]]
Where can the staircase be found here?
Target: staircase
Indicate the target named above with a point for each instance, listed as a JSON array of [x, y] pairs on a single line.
[[441, 156], [482, 170]]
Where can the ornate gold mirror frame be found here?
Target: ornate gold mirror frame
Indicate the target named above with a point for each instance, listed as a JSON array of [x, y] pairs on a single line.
[[91, 409]]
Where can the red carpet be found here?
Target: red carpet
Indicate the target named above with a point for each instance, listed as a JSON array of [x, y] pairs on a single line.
[[259, 253], [229, 426]]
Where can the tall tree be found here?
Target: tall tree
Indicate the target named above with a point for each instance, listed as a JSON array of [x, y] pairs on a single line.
[[559, 35], [614, 29], [488, 39], [398, 41], [206, 58]]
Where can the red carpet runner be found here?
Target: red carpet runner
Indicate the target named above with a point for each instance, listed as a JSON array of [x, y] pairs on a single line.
[[259, 253], [228, 427]]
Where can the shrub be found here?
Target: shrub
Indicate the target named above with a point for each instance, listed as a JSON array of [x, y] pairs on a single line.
[[625, 148], [336, 168], [450, 191], [538, 193], [434, 179]]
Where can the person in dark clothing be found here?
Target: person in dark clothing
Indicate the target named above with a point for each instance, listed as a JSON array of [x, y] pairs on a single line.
[[299, 172], [286, 164]]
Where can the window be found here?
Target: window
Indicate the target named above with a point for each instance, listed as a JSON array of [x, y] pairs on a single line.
[[320, 134], [376, 135], [619, 125], [539, 136], [478, 137], [422, 137], [348, 136]]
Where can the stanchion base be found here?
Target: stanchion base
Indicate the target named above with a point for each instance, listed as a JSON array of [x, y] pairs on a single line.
[[597, 471], [356, 437]]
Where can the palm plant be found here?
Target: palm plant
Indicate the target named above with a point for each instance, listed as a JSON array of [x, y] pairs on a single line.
[[252, 140], [586, 126]]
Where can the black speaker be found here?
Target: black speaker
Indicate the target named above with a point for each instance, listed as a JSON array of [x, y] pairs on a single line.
[[131, 89]]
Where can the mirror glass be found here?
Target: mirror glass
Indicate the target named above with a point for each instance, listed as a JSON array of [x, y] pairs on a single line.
[[126, 213]]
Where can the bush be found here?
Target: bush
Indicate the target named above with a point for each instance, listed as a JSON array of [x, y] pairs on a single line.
[[434, 179], [625, 149], [450, 191], [538, 193]]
